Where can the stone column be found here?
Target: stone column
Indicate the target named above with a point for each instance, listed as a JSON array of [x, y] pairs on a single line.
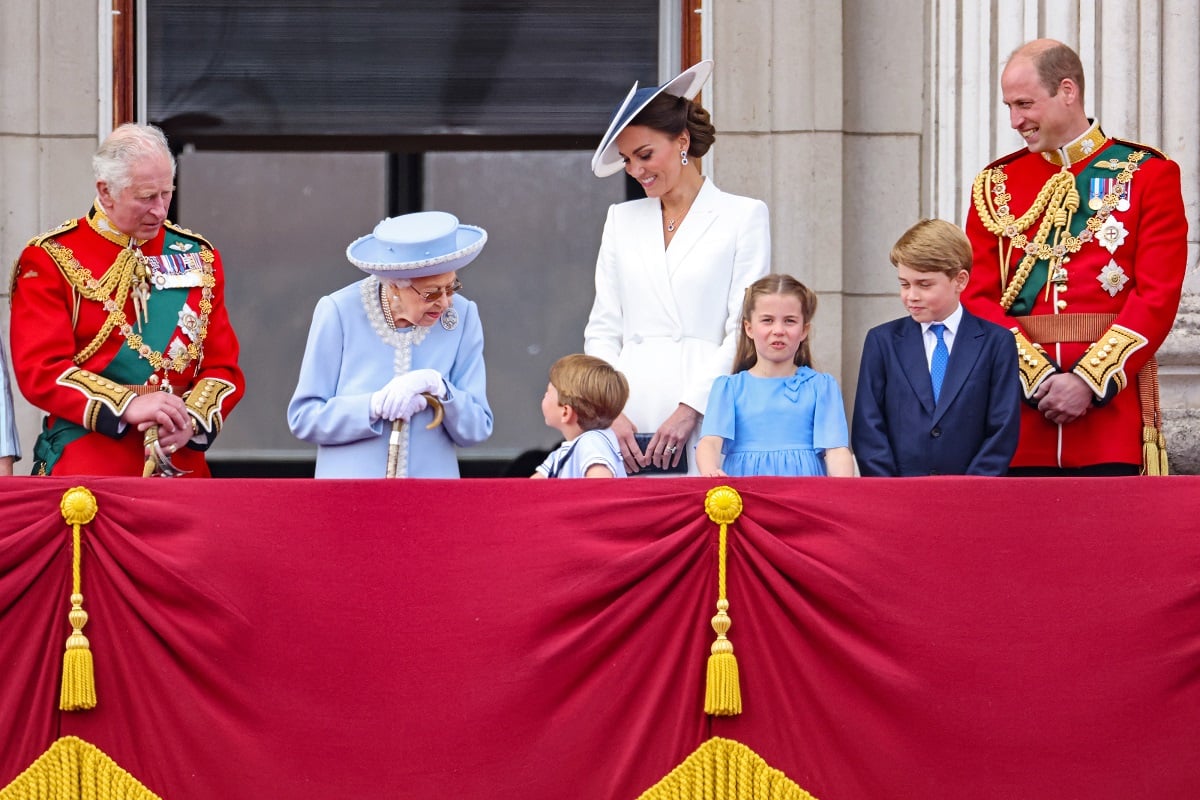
[[48, 120], [776, 99]]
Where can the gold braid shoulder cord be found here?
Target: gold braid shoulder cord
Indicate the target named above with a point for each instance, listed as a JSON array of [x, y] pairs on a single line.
[[1059, 199], [112, 291]]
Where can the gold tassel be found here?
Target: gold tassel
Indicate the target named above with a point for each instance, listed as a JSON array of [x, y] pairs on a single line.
[[1163, 467], [1151, 456], [722, 690], [722, 693], [78, 693]]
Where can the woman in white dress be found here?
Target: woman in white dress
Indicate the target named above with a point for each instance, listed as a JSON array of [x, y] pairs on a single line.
[[671, 271]]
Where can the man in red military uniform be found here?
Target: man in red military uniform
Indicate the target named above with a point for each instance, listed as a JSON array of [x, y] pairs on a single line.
[[1080, 248], [119, 327]]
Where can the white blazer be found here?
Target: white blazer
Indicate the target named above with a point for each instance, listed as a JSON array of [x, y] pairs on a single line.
[[668, 319]]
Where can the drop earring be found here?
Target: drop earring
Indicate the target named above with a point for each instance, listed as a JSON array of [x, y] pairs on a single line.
[[683, 157]]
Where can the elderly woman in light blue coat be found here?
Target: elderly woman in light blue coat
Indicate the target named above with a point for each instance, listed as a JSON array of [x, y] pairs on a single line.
[[376, 348]]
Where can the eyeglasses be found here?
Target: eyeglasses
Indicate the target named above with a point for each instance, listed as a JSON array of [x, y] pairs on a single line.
[[429, 295]]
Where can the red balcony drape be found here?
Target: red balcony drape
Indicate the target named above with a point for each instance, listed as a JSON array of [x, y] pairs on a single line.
[[908, 638]]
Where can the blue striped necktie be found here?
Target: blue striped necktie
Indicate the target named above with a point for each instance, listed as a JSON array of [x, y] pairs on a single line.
[[941, 357]]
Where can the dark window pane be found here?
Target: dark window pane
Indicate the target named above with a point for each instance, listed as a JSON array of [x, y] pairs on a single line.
[[390, 70]]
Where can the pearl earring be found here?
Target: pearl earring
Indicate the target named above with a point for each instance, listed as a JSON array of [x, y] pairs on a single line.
[[683, 156]]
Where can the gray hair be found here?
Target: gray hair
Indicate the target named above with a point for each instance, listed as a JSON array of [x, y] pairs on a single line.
[[398, 283], [124, 147]]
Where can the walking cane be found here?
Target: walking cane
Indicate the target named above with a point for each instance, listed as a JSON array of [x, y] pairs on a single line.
[[158, 461], [393, 461]]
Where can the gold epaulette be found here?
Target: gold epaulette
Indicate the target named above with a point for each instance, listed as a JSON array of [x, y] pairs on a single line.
[[188, 233], [39, 240], [1154, 151]]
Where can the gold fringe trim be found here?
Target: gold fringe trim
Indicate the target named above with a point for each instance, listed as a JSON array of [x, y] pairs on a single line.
[[1154, 444], [722, 690], [78, 692], [73, 769], [722, 769]]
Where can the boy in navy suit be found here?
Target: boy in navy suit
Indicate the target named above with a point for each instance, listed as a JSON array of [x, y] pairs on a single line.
[[937, 394]]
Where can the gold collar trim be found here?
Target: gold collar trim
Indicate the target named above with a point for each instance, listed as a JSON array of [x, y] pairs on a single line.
[[101, 224], [1079, 150]]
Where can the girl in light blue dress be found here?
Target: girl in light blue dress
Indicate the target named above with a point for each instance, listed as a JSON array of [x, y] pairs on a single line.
[[775, 415]]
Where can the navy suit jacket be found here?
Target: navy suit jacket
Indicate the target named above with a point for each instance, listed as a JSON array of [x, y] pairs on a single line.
[[972, 429]]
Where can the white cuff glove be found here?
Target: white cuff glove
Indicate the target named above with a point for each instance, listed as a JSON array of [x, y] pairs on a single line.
[[411, 406], [401, 397], [427, 380]]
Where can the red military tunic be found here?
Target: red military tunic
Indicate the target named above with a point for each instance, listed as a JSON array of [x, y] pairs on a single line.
[[81, 354], [1093, 292]]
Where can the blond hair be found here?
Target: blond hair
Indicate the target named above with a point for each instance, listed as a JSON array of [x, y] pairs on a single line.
[[933, 245], [592, 387]]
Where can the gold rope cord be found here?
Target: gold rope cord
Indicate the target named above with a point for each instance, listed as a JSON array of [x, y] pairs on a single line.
[[723, 769], [73, 769], [110, 291], [722, 690], [118, 281], [1059, 198], [78, 691], [1154, 443]]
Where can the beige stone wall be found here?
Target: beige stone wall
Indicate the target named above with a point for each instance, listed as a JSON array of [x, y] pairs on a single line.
[[48, 130]]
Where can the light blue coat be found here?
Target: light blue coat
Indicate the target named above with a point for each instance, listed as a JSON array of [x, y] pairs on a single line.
[[351, 354], [9, 444]]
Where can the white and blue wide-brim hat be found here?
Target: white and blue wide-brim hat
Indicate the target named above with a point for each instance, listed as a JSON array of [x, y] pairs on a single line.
[[606, 160], [417, 245]]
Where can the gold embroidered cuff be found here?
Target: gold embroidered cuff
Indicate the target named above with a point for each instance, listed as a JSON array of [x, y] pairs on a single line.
[[204, 402], [1033, 363], [1104, 362], [100, 392]]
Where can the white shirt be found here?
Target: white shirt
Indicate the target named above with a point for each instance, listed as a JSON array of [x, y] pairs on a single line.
[[573, 458], [951, 322]]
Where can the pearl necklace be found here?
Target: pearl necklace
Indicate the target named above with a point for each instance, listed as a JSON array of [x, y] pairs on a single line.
[[387, 307]]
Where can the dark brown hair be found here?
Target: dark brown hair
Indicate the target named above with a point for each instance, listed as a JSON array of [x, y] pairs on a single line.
[[747, 356], [1054, 62], [592, 387], [669, 114]]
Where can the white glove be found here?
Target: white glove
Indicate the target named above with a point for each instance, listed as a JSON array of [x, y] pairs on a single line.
[[427, 380], [414, 404], [400, 397]]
